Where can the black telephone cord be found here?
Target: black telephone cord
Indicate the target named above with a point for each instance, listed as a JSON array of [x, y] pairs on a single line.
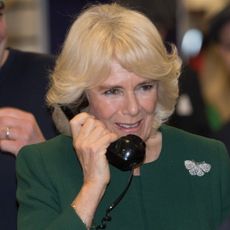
[[107, 217]]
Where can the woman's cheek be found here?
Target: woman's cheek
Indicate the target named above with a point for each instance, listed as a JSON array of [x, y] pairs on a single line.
[[103, 109], [149, 105]]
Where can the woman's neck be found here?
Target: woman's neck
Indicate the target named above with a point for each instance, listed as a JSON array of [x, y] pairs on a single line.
[[153, 150], [153, 147]]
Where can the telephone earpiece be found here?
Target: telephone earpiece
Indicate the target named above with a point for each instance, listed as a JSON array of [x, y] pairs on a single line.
[[127, 152]]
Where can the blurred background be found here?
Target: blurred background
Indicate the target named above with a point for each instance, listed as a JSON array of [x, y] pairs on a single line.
[[41, 25], [204, 103]]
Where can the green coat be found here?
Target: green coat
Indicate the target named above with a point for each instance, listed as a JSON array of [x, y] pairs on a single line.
[[165, 197]]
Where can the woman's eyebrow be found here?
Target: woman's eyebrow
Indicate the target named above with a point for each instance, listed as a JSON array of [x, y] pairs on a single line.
[[108, 86], [147, 82]]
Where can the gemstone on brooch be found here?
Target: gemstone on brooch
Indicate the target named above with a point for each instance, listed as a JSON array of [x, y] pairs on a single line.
[[197, 168]]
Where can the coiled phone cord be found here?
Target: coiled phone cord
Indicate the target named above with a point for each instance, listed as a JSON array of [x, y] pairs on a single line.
[[107, 217]]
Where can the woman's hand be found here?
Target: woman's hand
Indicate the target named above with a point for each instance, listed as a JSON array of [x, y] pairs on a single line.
[[90, 140], [18, 128]]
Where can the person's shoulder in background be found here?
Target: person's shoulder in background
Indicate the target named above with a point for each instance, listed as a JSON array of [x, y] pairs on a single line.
[[31, 59], [27, 64]]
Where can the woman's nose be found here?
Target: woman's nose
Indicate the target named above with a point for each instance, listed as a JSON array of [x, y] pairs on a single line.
[[131, 105]]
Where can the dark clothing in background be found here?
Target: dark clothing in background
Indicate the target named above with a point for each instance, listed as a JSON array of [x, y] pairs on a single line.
[[23, 85], [224, 135], [192, 119]]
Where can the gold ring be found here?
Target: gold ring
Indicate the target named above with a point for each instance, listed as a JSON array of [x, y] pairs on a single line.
[[7, 133]]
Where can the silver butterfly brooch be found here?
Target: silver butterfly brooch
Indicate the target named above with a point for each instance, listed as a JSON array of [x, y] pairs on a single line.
[[197, 168]]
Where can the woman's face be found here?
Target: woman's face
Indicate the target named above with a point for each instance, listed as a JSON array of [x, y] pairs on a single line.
[[124, 102]]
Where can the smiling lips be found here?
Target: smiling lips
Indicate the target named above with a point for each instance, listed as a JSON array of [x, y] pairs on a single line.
[[129, 127]]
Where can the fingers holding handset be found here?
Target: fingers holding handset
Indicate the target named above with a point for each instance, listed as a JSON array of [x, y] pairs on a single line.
[[91, 139]]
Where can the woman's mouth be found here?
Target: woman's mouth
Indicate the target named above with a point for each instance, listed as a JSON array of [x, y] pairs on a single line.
[[129, 127]]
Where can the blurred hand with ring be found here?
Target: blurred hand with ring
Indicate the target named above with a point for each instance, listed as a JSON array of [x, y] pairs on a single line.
[[17, 129]]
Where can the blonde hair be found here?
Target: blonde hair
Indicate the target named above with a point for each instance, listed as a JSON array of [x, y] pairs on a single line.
[[107, 32]]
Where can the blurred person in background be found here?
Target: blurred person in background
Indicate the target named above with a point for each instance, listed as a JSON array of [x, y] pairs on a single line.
[[215, 75], [204, 103], [24, 118]]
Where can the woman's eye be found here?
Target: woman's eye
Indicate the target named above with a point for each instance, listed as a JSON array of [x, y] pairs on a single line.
[[148, 87], [113, 91]]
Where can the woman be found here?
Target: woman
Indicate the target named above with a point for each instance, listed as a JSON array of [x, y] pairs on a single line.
[[115, 74]]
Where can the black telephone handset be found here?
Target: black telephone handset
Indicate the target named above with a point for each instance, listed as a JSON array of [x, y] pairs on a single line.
[[126, 153]]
